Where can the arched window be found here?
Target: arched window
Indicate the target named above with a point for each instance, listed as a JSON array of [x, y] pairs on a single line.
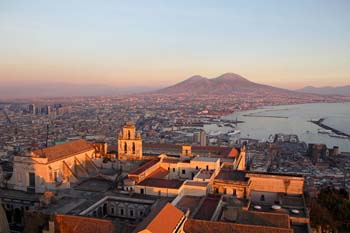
[[125, 147], [128, 134], [133, 147]]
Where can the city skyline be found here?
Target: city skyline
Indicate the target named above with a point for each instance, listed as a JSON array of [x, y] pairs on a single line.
[[157, 44]]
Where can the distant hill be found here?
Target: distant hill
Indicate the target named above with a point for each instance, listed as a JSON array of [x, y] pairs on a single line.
[[341, 90], [42, 90], [225, 84]]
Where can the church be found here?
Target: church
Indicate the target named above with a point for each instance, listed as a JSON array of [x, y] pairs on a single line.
[[129, 143], [53, 168]]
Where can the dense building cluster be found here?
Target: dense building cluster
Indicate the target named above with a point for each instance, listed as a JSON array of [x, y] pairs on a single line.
[[87, 187]]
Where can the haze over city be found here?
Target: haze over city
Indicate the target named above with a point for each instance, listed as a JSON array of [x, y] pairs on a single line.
[[154, 44], [188, 116]]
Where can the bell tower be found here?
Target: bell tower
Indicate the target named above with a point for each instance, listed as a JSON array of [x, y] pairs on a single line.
[[129, 143]]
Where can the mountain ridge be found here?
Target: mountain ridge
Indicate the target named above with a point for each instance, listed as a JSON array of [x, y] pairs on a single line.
[[225, 84], [327, 90]]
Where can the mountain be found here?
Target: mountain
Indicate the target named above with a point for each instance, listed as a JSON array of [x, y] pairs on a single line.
[[225, 84], [341, 90]]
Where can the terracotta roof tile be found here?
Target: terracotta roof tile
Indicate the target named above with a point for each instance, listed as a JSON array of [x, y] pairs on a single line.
[[64, 150], [159, 173], [207, 208], [201, 226], [144, 167], [78, 224], [166, 220]]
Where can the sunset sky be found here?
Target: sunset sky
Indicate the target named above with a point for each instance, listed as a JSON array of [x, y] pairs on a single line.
[[159, 43]]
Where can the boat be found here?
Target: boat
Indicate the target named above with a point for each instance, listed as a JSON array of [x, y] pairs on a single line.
[[234, 132], [333, 135], [324, 131]]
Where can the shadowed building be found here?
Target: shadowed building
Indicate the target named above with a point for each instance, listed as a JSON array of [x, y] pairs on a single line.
[[54, 167], [4, 226]]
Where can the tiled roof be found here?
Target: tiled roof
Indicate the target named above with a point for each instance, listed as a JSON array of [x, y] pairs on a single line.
[[207, 208], [64, 150], [256, 218], [233, 153], [78, 224], [166, 220], [171, 160], [159, 173], [144, 167], [188, 202], [202, 226], [163, 217], [161, 183]]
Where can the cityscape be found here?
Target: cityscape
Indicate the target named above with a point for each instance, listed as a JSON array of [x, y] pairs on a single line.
[[165, 150]]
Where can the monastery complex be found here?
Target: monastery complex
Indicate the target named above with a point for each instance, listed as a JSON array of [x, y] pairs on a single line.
[[159, 188]]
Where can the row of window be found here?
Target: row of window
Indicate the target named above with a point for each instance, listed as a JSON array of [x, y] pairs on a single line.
[[184, 171]]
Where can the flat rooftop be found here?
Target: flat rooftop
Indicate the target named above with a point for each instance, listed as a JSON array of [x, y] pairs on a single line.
[[162, 183], [196, 183], [205, 174], [205, 159], [232, 175], [94, 185], [188, 202]]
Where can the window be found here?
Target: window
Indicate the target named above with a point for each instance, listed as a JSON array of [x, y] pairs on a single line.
[[159, 193], [173, 169], [140, 213], [112, 210], [31, 179], [121, 211], [262, 197], [125, 147], [131, 213], [133, 147], [55, 175], [207, 167], [142, 191], [183, 171], [128, 134], [196, 167]]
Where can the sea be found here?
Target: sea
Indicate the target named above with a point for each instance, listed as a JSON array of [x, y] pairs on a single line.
[[294, 119]]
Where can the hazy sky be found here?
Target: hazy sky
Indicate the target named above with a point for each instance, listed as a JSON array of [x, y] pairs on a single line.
[[157, 43]]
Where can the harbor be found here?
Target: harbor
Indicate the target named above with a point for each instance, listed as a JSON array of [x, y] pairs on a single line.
[[336, 133]]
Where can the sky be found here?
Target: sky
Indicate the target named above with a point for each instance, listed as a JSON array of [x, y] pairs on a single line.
[[149, 43]]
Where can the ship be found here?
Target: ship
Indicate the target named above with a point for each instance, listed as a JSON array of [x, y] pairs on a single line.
[[333, 135], [234, 132], [324, 131]]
